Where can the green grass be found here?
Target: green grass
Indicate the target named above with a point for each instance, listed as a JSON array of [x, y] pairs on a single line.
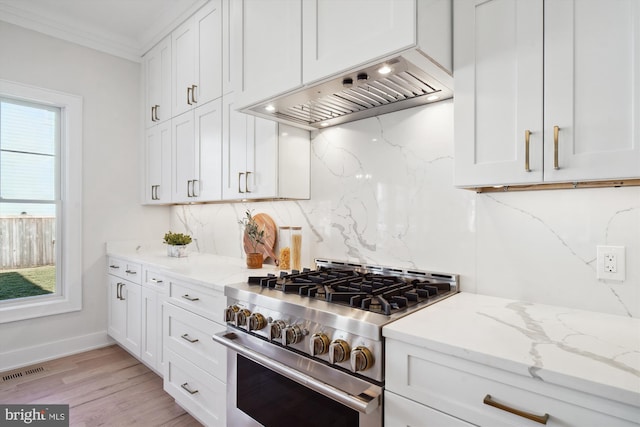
[[27, 282]]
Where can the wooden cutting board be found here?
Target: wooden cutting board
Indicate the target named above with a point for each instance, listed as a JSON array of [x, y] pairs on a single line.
[[271, 233]]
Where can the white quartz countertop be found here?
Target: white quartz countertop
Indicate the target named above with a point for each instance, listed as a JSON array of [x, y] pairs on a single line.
[[592, 352], [206, 269]]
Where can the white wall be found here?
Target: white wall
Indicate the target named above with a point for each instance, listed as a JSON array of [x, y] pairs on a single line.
[[111, 89], [382, 192]]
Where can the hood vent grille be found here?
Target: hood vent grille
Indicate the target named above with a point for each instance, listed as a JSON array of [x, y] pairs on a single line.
[[356, 96], [369, 95]]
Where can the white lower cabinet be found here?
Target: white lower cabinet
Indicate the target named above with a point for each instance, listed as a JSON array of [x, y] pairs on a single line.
[[135, 308], [195, 369], [154, 286], [402, 412], [124, 314], [485, 396], [198, 392]]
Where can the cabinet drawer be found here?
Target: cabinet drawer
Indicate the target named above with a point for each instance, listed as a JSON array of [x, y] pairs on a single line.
[[204, 301], [189, 335], [124, 269], [155, 280], [459, 387], [202, 395], [402, 412]]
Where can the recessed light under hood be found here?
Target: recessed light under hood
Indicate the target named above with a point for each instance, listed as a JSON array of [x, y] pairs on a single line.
[[360, 94]]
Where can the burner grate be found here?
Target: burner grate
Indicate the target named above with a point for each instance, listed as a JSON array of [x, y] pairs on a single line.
[[372, 291]]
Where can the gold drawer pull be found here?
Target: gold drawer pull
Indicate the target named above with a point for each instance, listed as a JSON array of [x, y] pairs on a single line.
[[188, 338], [190, 298], [542, 419], [186, 387]]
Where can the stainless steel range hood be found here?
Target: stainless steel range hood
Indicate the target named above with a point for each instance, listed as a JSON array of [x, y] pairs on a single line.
[[412, 80]]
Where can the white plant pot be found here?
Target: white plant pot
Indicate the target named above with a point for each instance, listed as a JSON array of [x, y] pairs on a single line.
[[177, 251]]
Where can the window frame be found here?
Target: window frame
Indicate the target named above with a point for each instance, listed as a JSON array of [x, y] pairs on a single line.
[[68, 295]]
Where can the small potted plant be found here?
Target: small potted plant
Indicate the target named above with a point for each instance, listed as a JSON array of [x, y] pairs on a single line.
[[256, 237], [177, 244]]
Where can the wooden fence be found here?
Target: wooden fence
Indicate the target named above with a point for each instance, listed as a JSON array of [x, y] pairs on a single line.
[[27, 241]]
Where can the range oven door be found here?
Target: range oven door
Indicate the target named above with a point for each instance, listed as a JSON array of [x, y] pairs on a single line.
[[271, 386]]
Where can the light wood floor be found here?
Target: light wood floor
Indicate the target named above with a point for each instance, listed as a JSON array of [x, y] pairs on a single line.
[[103, 387]]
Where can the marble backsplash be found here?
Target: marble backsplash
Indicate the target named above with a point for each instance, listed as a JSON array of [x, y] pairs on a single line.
[[382, 193]]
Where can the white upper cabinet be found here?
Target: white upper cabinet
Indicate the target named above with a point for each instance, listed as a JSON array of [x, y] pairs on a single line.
[[267, 45], [592, 89], [157, 74], [250, 148], [157, 188], [263, 159], [196, 154], [546, 91], [197, 59], [338, 34], [498, 57]]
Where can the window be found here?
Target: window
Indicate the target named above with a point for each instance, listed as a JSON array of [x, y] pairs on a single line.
[[40, 202]]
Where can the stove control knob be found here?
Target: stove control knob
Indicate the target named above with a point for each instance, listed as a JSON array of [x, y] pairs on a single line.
[[319, 344], [293, 334], [241, 317], [275, 329], [256, 322], [230, 313], [339, 351], [361, 359]]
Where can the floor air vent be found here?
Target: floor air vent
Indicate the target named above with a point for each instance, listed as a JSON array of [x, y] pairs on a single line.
[[19, 374]]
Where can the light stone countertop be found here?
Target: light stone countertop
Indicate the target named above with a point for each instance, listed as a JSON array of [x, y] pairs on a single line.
[[206, 269], [592, 352]]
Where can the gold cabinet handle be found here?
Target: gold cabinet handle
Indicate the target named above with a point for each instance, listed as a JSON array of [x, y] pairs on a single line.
[[527, 136], [193, 94], [189, 90], [556, 131], [186, 387], [239, 178], [246, 182], [542, 419], [188, 338]]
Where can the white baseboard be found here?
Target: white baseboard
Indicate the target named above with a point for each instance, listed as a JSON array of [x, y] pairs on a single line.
[[53, 350]]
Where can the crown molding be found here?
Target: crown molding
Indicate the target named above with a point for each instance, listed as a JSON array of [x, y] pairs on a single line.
[[107, 42]]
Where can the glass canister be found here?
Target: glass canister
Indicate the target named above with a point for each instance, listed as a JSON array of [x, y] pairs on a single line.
[[284, 243], [296, 248]]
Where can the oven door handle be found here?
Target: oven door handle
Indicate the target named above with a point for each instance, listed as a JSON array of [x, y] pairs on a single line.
[[366, 402]]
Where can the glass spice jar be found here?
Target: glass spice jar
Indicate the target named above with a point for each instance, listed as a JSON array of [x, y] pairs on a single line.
[[296, 248], [284, 243]]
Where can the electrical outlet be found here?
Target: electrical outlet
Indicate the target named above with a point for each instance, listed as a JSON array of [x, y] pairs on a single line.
[[611, 263]]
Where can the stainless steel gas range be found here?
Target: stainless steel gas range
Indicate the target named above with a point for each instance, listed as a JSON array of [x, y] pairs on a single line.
[[306, 348]]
